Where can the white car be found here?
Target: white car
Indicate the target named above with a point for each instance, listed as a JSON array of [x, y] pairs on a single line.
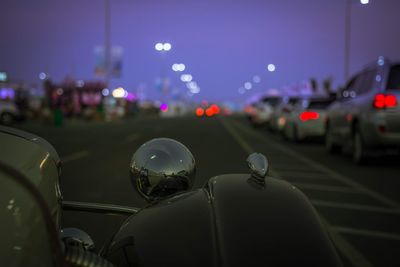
[[307, 119], [264, 109]]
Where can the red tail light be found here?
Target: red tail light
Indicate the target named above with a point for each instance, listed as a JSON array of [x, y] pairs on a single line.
[[308, 115], [385, 101], [199, 112]]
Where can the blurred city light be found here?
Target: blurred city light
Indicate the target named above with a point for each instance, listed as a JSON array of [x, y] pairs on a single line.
[[159, 46], [256, 79], [167, 46], [105, 92], [178, 67], [80, 83], [59, 91], [119, 93], [381, 61], [248, 85], [241, 90], [215, 109], [209, 112], [199, 112], [193, 87], [186, 78], [364, 2], [271, 67], [164, 107], [42, 75], [182, 67]]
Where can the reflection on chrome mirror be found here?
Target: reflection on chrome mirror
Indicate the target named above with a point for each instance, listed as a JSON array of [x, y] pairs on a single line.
[[162, 167], [74, 237], [258, 165]]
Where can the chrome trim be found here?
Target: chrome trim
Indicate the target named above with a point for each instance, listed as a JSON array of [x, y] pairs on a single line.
[[98, 208]]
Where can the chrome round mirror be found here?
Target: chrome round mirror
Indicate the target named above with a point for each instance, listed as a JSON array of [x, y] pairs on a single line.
[[162, 167]]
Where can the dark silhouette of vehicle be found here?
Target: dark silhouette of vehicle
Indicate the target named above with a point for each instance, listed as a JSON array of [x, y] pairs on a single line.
[[248, 219]]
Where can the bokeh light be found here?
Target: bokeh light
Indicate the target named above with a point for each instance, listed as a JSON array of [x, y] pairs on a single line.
[[248, 85], [159, 46], [164, 107], [271, 67], [199, 112], [167, 46]]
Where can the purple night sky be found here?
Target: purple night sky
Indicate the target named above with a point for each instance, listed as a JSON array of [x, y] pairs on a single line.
[[223, 43]]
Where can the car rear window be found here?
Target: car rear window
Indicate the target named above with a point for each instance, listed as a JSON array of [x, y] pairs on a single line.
[[319, 104], [273, 101], [394, 78]]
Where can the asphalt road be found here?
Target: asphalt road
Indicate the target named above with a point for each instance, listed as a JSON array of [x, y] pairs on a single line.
[[359, 204]]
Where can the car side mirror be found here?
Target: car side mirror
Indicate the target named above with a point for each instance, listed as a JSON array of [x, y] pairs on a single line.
[[162, 167], [258, 165], [75, 237]]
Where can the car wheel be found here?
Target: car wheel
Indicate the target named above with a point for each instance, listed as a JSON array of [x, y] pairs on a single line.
[[6, 118], [359, 149], [330, 145]]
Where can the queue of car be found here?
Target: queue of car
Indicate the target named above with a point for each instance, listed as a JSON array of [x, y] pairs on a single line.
[[362, 120]]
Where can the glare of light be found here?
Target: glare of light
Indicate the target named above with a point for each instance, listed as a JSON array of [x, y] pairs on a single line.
[[215, 109], [167, 46], [241, 90], [181, 67], [247, 85], [186, 78], [175, 67], [42, 75], [281, 121], [131, 97], [378, 78], [256, 79], [191, 85], [364, 2], [80, 83], [159, 46], [271, 67], [209, 112], [105, 92], [119, 92], [199, 112], [381, 61], [60, 91], [164, 107], [195, 90]]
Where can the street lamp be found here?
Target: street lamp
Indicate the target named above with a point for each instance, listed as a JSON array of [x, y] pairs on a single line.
[[347, 36], [162, 46], [271, 67]]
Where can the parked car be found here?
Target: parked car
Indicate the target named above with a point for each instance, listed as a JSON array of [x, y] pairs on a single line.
[[366, 117], [8, 112], [307, 119], [278, 117], [264, 109]]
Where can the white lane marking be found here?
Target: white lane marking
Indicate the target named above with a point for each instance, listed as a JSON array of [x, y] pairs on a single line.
[[132, 137], [329, 204], [330, 188], [352, 254], [243, 143], [327, 170], [75, 156], [365, 233]]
